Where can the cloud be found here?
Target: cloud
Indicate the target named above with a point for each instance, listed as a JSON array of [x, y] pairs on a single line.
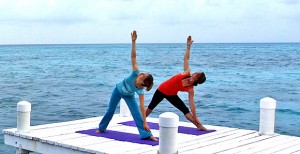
[[159, 21], [292, 2], [42, 11], [168, 12]]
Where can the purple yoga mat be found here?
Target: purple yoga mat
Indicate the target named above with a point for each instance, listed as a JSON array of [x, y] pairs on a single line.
[[120, 136], [181, 129]]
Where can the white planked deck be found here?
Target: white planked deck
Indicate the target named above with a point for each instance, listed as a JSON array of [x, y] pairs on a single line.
[[61, 138]]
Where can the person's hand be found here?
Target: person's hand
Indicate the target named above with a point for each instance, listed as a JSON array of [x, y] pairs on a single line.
[[189, 41], [133, 36], [146, 127]]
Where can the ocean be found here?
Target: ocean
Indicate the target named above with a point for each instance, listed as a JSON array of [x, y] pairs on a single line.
[[69, 82]]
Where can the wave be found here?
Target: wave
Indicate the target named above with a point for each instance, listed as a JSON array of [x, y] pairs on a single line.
[[288, 111], [237, 109]]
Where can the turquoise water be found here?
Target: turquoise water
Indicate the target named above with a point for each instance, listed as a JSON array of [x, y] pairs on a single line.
[[68, 82]]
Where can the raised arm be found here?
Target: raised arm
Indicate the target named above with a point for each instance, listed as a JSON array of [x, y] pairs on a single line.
[[133, 51], [186, 58]]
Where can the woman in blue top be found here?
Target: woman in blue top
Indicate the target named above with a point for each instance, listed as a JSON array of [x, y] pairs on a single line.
[[126, 89]]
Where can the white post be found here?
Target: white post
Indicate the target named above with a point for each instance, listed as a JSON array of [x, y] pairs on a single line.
[[168, 129], [23, 122], [124, 110], [267, 116]]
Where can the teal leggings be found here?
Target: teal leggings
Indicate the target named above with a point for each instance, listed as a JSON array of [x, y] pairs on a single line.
[[133, 107]]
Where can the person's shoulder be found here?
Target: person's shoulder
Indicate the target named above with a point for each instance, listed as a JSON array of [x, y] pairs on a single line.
[[190, 89], [140, 91], [185, 74], [135, 71]]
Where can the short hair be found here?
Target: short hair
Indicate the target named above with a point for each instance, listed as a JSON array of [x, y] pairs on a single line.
[[201, 78], [148, 82]]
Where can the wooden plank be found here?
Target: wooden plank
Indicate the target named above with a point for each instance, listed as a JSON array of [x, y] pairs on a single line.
[[196, 140], [145, 150], [233, 143], [115, 146], [258, 145], [38, 147], [65, 127], [280, 147], [61, 138], [294, 146], [215, 140], [69, 140], [296, 152]]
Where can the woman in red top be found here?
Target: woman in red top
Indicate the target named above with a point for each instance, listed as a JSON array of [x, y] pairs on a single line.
[[181, 82]]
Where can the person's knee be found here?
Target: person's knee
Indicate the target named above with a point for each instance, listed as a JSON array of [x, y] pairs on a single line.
[[186, 114], [148, 109], [186, 111]]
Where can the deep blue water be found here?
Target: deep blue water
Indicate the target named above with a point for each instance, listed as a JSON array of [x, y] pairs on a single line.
[[68, 82]]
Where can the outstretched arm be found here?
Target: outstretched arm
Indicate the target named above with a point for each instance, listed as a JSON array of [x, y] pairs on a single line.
[[194, 117], [186, 58], [133, 51], [192, 104], [142, 109]]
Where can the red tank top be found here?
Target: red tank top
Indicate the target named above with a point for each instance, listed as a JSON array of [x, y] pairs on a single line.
[[173, 85]]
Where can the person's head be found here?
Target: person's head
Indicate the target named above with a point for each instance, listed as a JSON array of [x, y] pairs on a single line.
[[146, 79], [198, 78]]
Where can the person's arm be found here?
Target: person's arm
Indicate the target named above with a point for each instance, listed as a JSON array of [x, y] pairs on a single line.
[[142, 109], [186, 58], [192, 103], [133, 51], [193, 110]]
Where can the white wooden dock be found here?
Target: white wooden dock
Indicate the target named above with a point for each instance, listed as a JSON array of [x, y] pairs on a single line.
[[60, 138]]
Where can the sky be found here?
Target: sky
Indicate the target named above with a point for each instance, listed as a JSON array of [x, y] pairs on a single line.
[[156, 21]]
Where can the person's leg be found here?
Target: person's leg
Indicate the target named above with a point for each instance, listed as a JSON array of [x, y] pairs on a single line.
[[156, 99], [136, 114], [114, 101], [179, 104], [191, 118]]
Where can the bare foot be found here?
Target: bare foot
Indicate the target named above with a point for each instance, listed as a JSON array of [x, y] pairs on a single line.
[[202, 128], [99, 131], [153, 138]]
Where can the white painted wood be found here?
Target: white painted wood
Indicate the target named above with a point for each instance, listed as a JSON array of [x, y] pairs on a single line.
[[149, 149], [260, 145], [294, 146], [231, 144], [199, 140], [37, 146], [267, 116], [289, 142], [216, 140], [61, 138], [296, 152]]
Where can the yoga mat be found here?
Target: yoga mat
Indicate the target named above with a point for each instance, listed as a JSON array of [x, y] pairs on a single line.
[[181, 129], [120, 136]]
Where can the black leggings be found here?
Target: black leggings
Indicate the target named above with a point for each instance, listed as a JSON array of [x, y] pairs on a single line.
[[173, 99]]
